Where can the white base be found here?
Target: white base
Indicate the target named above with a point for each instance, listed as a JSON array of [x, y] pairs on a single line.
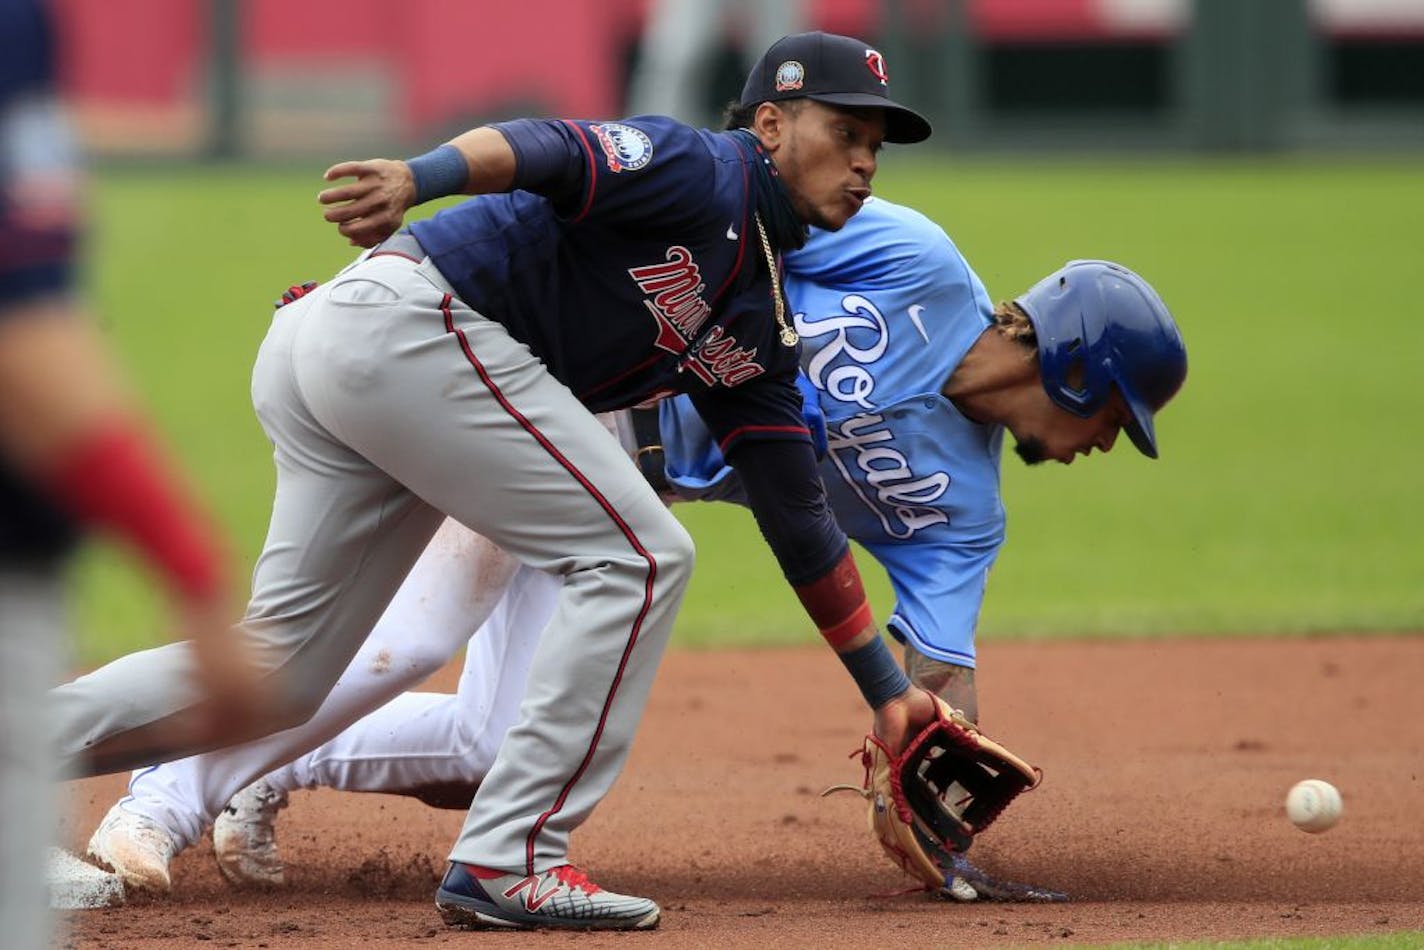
[[76, 885]]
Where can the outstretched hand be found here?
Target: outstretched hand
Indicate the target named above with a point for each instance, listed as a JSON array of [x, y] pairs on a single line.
[[371, 208], [901, 718]]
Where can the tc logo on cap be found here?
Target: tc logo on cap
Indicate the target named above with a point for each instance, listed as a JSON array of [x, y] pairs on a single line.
[[790, 75], [876, 64]]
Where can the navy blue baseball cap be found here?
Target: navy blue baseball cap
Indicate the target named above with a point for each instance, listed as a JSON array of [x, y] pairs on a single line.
[[837, 70]]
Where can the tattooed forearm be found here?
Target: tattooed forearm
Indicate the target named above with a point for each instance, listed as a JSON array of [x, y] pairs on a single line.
[[953, 684]]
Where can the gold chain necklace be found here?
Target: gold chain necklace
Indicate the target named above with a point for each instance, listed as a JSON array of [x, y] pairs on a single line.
[[788, 335]]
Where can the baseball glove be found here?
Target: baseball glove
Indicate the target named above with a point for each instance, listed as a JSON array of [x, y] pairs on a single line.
[[949, 784], [294, 293]]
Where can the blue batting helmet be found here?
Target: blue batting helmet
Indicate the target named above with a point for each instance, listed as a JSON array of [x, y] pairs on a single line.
[[1100, 326]]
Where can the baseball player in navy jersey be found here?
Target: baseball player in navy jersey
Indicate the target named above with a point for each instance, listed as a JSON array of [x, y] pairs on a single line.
[[453, 369], [912, 378], [75, 454]]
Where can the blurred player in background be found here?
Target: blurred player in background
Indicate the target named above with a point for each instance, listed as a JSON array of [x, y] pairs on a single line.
[[75, 453], [911, 376], [678, 43]]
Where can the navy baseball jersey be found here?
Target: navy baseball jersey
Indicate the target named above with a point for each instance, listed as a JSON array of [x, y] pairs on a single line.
[[38, 178], [37, 162], [886, 308], [629, 262]]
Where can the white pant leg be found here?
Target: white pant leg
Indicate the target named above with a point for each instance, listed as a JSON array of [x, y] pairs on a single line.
[[439, 746], [456, 583]]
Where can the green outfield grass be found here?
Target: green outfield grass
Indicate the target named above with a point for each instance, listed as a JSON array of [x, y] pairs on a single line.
[[1286, 501]]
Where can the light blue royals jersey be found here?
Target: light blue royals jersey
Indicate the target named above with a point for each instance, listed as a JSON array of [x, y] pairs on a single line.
[[886, 309]]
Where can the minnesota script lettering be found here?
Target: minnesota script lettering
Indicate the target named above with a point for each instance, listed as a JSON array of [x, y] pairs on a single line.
[[675, 287]]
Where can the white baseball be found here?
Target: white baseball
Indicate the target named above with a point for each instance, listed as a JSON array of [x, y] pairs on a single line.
[[1313, 805]]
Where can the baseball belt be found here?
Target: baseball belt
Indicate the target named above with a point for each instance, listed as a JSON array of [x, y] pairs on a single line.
[[649, 454]]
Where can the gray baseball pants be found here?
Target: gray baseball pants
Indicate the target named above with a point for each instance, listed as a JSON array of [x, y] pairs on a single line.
[[390, 403], [34, 645]]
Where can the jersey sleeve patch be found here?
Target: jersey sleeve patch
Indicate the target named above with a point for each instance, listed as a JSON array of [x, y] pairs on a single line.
[[625, 148]]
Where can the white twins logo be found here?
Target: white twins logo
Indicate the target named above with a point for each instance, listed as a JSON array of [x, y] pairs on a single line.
[[902, 502]]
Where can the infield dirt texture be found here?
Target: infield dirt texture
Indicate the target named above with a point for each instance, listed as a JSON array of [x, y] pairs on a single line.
[[1167, 764]]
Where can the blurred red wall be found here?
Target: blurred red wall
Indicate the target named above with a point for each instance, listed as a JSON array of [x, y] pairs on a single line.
[[450, 59], [445, 57]]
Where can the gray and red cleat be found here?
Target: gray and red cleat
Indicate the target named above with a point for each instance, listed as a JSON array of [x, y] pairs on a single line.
[[562, 897]]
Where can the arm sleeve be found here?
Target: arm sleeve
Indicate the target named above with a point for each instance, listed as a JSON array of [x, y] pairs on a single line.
[[547, 160], [693, 464], [787, 498], [650, 170]]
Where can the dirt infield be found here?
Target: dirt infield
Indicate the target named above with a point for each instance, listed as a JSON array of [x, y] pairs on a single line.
[[1161, 813]]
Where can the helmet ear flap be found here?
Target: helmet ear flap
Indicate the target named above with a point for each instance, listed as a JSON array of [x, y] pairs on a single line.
[[1075, 371], [1071, 378], [1066, 363]]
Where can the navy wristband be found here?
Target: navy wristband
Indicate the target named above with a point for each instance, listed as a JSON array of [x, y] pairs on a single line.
[[875, 671], [439, 173]]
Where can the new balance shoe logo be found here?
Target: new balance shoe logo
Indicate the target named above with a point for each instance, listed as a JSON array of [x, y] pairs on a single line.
[[530, 895], [562, 897]]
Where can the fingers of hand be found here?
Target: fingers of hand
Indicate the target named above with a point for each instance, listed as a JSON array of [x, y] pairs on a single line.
[[367, 216], [345, 170], [364, 226], [365, 232], [343, 204]]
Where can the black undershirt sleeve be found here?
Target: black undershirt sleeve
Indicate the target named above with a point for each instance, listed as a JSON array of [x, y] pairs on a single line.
[[786, 496]]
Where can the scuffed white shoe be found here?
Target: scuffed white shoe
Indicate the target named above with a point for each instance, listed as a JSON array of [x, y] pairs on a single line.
[[245, 837], [136, 848]]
